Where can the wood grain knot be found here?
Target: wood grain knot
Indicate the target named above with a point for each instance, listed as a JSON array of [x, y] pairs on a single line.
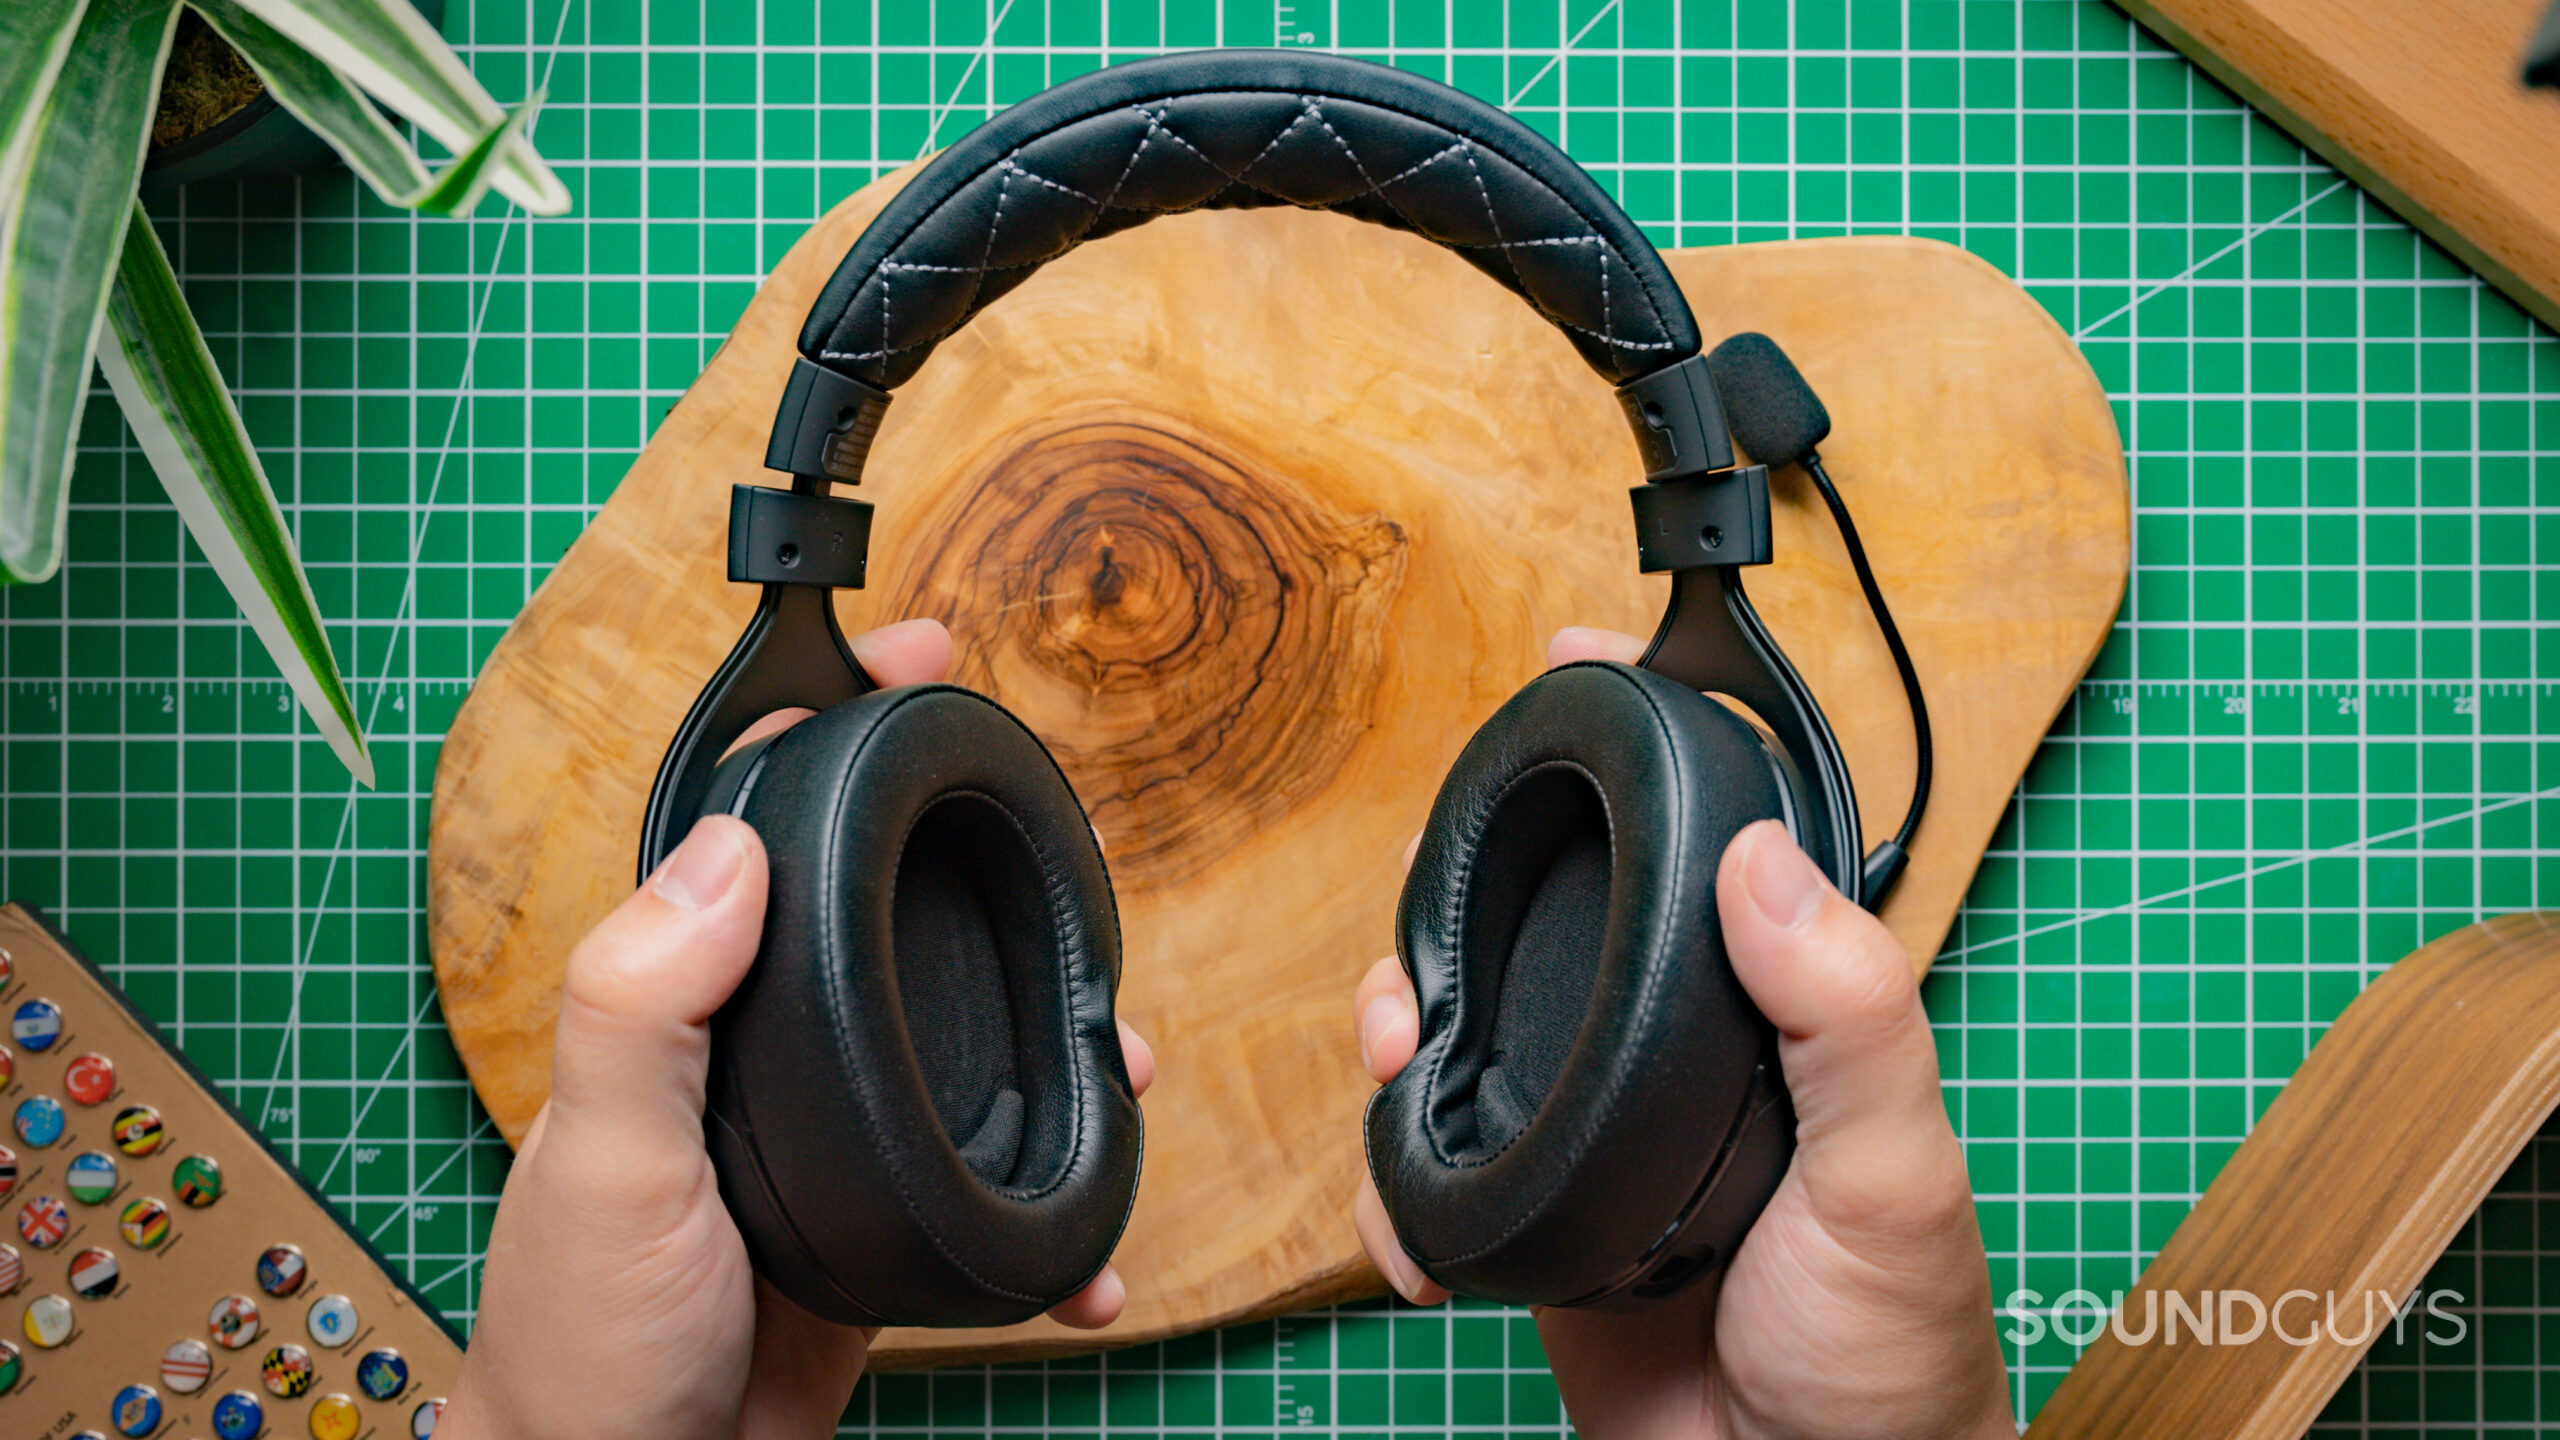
[[1196, 639]]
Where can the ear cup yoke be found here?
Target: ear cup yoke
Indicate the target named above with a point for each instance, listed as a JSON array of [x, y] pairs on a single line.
[[1560, 928], [923, 1065]]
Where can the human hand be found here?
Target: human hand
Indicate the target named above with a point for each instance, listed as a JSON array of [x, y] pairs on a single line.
[[617, 1298], [1860, 1302]]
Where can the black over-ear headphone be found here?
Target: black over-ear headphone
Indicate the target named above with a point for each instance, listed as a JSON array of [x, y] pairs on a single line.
[[917, 1106]]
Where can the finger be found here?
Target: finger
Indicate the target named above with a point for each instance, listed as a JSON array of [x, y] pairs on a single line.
[[1412, 848], [773, 724], [1378, 1237], [1635, 1372], [1871, 1128], [532, 1141], [1384, 1015], [1138, 1058], [802, 1371], [1582, 642], [1096, 1305], [632, 1040], [911, 652]]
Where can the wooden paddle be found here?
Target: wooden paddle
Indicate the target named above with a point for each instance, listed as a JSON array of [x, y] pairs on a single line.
[[1254, 517], [2417, 101], [2376, 1152]]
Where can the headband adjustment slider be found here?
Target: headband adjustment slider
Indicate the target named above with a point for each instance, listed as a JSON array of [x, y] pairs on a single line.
[[823, 430]]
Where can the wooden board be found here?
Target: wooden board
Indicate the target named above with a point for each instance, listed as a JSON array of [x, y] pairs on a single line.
[[165, 1291], [2376, 1152], [2416, 100], [1254, 518]]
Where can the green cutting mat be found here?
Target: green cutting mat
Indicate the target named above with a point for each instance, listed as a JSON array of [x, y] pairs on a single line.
[[2312, 743]]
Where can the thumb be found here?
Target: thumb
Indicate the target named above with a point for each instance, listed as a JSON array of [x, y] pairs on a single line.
[[633, 1042], [1873, 1145]]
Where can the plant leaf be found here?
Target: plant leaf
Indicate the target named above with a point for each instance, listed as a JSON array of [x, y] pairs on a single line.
[[321, 96], [35, 35], [181, 413], [62, 221], [389, 49], [457, 191]]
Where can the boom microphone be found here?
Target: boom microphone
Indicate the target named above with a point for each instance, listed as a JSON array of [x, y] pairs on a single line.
[[1767, 403], [1777, 417]]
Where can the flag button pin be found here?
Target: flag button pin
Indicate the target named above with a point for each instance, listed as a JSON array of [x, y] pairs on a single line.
[[92, 1177], [37, 1024], [282, 1270], [382, 1374], [48, 1321], [138, 1130], [185, 1366], [93, 1273], [39, 1120], [90, 1078], [333, 1321], [234, 1321]]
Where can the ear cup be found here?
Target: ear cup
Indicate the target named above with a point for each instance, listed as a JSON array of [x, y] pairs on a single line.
[[1591, 1078], [918, 1108]]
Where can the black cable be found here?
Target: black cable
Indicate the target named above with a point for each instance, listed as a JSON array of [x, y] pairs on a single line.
[[1892, 641]]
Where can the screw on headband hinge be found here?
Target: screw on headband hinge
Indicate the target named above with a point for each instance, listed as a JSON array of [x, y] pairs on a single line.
[[1694, 509], [1697, 520], [804, 536], [789, 537], [1679, 420], [824, 428]]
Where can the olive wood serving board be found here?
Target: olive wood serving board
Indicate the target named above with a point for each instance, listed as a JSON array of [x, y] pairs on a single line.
[[1254, 517], [2369, 1160]]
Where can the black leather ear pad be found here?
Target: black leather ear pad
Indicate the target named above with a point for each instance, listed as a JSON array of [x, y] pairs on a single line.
[[918, 1108], [1587, 1059]]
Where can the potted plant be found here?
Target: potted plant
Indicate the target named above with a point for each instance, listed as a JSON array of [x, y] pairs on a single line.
[[83, 279]]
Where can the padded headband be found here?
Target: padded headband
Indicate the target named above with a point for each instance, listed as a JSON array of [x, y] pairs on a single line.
[[1239, 129]]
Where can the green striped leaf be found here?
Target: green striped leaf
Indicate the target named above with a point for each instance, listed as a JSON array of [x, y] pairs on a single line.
[[321, 96], [35, 35], [181, 413], [457, 191], [389, 49], [62, 222]]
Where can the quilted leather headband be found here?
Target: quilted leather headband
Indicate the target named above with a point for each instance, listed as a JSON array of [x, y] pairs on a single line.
[[1239, 130]]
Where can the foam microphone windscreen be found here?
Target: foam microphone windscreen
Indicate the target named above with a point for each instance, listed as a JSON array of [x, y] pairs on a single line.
[[1774, 413]]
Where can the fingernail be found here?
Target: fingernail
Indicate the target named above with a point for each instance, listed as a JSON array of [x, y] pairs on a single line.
[[1375, 1014], [1783, 883], [1404, 1275], [701, 870]]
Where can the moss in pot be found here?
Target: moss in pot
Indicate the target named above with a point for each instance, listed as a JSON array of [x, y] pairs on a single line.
[[217, 122]]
